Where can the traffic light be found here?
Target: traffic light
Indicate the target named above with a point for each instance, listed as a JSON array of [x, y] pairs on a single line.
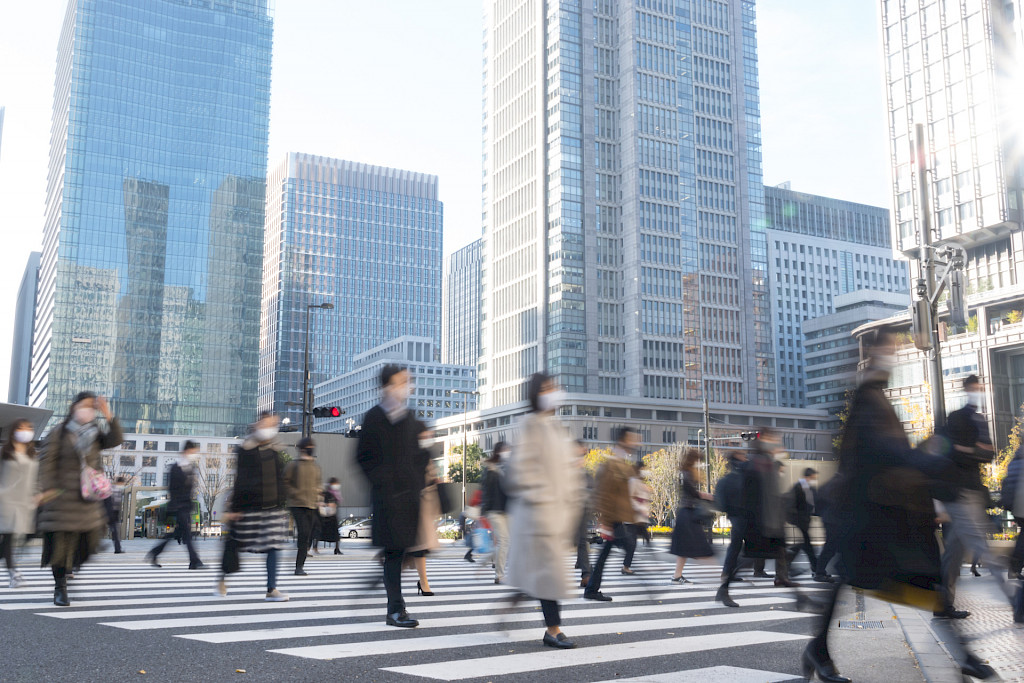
[[353, 432], [750, 436], [329, 411]]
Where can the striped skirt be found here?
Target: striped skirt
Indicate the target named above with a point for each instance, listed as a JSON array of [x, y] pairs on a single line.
[[258, 531]]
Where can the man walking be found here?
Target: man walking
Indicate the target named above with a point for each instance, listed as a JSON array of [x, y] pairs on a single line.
[[764, 505], [180, 485], [302, 480], [113, 508], [614, 506], [389, 454], [804, 498]]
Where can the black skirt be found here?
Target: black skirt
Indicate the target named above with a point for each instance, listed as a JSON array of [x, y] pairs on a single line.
[[328, 531], [688, 537]]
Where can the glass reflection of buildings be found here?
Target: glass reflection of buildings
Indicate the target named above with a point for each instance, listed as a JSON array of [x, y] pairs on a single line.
[[956, 67], [152, 256]]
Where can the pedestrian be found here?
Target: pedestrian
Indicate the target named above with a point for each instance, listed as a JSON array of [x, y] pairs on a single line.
[[884, 496], [493, 504], [426, 532], [729, 499], [614, 507], [1013, 502], [181, 482], [640, 497], [112, 506], [389, 454], [832, 523], [970, 448], [302, 481], [689, 539], [330, 502], [764, 504], [803, 499], [18, 499], [544, 486], [256, 509], [470, 520], [586, 516], [72, 517]]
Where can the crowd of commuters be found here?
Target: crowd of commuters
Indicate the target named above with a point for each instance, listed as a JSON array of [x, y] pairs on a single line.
[[537, 500]]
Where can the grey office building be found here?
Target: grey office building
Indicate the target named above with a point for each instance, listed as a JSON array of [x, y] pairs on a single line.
[[623, 209], [463, 305], [24, 317], [820, 248], [364, 238]]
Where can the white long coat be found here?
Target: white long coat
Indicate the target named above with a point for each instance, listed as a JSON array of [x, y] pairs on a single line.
[[545, 493], [17, 496]]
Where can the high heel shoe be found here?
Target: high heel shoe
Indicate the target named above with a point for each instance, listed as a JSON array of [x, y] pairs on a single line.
[[824, 669], [420, 591], [974, 570]]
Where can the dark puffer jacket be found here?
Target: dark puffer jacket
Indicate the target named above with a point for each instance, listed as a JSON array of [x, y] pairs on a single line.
[[61, 469]]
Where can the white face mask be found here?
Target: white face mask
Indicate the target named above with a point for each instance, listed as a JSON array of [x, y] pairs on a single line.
[[265, 434], [550, 401], [976, 398], [335, 487], [24, 435], [885, 362], [400, 393], [84, 416]]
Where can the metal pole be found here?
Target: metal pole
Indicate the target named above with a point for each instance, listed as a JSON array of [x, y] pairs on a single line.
[[928, 268], [465, 422], [707, 438], [305, 382]]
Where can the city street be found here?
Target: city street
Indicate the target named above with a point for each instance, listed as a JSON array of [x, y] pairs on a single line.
[[128, 618]]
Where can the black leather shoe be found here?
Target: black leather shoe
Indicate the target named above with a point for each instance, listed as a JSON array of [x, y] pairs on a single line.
[[786, 583], [823, 578], [559, 641], [152, 560], [402, 620], [951, 613], [60, 595], [597, 595], [723, 596], [762, 575], [823, 668], [197, 566], [301, 572], [976, 668]]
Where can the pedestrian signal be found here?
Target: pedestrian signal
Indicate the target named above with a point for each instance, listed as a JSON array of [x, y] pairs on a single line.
[[750, 436], [330, 411]]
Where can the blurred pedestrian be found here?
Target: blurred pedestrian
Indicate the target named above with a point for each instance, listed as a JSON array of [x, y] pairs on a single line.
[[256, 510], [640, 498], [302, 480], [181, 482], [833, 525], [689, 539], [18, 499], [803, 499], [330, 502], [72, 517], [426, 533], [112, 506], [1013, 502], [389, 454], [544, 488], [764, 504], [586, 516], [493, 504], [729, 499]]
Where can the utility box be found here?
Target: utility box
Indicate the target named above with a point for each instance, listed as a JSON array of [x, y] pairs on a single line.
[[921, 324]]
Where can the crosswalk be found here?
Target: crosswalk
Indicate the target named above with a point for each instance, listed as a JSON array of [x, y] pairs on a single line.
[[470, 629]]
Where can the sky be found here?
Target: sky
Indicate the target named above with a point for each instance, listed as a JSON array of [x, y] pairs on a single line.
[[398, 83]]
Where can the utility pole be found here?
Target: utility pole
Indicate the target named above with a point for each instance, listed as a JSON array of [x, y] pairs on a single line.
[[707, 438]]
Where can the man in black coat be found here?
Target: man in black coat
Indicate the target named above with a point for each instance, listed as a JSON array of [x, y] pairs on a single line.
[[389, 454], [729, 499], [180, 484], [764, 506], [804, 499]]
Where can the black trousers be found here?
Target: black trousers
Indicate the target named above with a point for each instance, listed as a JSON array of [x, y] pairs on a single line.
[[808, 549], [115, 535], [304, 518], [620, 538], [182, 531], [393, 578], [7, 546], [552, 615], [632, 535]]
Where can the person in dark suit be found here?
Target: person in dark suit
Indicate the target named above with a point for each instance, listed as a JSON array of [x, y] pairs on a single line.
[[804, 498], [764, 506], [389, 454], [180, 484]]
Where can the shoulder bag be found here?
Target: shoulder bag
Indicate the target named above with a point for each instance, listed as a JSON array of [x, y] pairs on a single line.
[[95, 485]]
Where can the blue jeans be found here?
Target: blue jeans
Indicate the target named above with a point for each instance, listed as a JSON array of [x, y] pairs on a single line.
[[271, 569]]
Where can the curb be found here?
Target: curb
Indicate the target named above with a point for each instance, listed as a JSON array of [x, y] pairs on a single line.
[[932, 657]]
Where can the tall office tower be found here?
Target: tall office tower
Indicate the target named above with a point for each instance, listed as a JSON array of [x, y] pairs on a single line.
[[149, 286], [364, 238], [624, 244], [21, 349], [463, 304], [955, 67], [819, 248]]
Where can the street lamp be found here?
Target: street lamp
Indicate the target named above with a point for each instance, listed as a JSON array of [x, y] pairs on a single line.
[[465, 429], [307, 422]]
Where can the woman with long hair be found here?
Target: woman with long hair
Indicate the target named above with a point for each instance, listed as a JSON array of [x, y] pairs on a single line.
[[494, 503], [426, 531], [688, 536], [18, 497]]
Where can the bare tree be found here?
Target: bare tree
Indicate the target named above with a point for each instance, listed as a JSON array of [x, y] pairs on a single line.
[[210, 482]]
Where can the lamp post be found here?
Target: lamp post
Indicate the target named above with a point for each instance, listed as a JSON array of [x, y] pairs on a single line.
[[465, 429], [307, 409]]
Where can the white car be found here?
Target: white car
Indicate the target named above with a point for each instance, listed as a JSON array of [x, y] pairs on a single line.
[[359, 528]]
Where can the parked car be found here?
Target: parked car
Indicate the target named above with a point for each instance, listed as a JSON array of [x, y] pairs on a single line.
[[356, 528]]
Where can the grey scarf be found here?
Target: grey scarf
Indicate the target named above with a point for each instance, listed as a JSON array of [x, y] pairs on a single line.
[[85, 436]]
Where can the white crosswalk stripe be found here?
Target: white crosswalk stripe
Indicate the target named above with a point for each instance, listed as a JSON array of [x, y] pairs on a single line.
[[470, 620]]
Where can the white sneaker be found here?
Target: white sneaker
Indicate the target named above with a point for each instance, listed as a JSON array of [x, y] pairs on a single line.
[[16, 580], [222, 589], [276, 596]]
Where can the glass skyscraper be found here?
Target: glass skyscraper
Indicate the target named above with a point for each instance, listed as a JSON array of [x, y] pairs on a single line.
[[150, 279], [462, 301], [364, 238], [624, 237]]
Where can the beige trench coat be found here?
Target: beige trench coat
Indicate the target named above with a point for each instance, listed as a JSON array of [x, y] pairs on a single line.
[[545, 491]]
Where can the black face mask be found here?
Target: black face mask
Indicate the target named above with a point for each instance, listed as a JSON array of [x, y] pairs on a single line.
[[308, 453]]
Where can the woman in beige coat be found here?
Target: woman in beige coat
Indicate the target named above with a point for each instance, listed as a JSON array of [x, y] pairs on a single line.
[[544, 491], [18, 495], [426, 532]]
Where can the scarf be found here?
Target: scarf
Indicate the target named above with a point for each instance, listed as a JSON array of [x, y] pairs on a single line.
[[85, 436]]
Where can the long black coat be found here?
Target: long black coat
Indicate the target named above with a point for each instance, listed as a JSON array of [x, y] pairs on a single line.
[[390, 456], [259, 478], [764, 505], [884, 499], [802, 508]]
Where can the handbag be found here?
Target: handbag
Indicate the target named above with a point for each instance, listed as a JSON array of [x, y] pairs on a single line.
[[444, 499], [94, 484], [482, 541], [703, 514]]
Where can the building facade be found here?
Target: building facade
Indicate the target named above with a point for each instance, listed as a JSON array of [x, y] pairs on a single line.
[[832, 352], [436, 385], [463, 305], [153, 235], [818, 249], [364, 238], [624, 244], [24, 317]]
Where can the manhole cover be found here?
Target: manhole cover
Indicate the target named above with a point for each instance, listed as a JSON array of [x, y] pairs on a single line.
[[860, 624]]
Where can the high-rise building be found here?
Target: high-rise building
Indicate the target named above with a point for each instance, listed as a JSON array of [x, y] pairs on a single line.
[[364, 238], [463, 305], [24, 316], [150, 276], [955, 67], [624, 244], [818, 249]]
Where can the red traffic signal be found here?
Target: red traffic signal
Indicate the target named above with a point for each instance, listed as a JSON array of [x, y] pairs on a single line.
[[328, 411]]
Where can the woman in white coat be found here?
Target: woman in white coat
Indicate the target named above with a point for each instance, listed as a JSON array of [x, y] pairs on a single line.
[[19, 472], [544, 490]]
